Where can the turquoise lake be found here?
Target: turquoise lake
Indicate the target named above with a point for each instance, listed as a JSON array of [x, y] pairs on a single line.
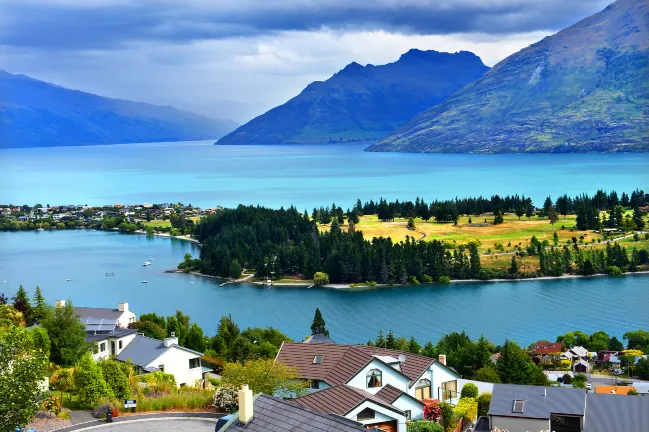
[[522, 311], [305, 176]]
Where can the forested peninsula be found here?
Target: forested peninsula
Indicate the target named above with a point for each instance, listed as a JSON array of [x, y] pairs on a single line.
[[582, 235]]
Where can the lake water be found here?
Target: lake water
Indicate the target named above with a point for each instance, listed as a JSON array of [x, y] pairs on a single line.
[[306, 176], [522, 311]]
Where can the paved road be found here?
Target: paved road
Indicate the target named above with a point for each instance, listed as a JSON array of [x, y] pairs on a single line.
[[154, 425]]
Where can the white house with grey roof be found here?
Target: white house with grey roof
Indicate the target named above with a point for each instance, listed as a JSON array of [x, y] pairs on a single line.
[[150, 355], [122, 315]]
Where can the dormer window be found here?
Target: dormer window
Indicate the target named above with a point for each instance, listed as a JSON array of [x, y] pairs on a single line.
[[374, 378], [519, 406], [318, 359]]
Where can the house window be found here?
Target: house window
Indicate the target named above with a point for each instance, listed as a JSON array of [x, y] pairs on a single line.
[[559, 423], [194, 363], [449, 390], [374, 378], [408, 414], [366, 414], [102, 347], [120, 344], [422, 389], [314, 384], [318, 359]]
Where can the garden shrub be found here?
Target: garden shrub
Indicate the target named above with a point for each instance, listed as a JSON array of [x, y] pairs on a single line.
[[467, 408], [188, 399], [115, 378], [89, 383], [225, 399], [424, 426], [447, 416], [469, 390], [484, 401]]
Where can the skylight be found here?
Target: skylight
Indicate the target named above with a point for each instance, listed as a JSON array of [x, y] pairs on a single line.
[[318, 359], [519, 406]]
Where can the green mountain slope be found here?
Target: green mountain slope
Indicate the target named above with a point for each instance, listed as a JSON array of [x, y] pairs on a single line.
[[363, 103], [34, 113], [584, 89]]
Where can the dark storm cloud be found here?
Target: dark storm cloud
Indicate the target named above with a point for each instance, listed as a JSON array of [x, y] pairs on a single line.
[[93, 24]]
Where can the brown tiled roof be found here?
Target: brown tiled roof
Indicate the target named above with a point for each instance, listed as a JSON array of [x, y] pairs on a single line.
[[545, 347], [342, 362], [390, 394], [341, 400]]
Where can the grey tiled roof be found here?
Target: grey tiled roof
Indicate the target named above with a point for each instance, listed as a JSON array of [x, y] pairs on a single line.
[[105, 313], [606, 413], [540, 402], [117, 333], [143, 350], [341, 400], [276, 415]]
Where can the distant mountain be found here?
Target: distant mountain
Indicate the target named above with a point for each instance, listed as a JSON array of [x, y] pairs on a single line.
[[363, 102], [34, 113], [584, 89]]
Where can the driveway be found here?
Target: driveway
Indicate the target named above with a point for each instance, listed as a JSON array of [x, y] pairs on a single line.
[[165, 422]]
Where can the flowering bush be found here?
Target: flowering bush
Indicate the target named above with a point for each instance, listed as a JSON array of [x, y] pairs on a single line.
[[432, 412], [225, 399], [52, 404]]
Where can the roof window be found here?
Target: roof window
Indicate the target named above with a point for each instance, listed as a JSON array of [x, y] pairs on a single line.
[[318, 359], [519, 406]]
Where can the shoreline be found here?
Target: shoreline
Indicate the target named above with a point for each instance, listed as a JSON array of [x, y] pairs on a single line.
[[308, 285]]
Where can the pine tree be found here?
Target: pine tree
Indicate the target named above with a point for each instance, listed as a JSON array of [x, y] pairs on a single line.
[[21, 304], [413, 346], [319, 325], [40, 307], [637, 218], [513, 269], [380, 340], [390, 341]]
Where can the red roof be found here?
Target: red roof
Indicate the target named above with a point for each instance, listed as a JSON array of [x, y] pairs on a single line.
[[545, 347]]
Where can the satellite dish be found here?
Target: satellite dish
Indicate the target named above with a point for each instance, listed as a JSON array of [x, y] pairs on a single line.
[[402, 358]]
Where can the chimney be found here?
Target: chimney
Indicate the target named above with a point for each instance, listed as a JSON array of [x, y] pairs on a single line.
[[442, 359], [123, 307], [60, 304], [245, 404], [171, 340]]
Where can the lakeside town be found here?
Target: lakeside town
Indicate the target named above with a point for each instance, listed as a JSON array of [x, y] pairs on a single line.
[[99, 363]]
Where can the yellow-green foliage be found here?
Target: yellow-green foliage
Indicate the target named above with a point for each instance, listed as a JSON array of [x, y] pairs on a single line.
[[467, 407], [185, 400]]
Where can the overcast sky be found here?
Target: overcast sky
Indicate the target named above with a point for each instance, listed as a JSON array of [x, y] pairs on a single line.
[[237, 58]]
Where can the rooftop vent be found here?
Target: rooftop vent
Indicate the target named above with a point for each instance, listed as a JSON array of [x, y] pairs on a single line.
[[318, 359], [519, 406]]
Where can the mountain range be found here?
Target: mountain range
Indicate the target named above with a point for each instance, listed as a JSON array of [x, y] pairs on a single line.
[[584, 89], [363, 102], [34, 113]]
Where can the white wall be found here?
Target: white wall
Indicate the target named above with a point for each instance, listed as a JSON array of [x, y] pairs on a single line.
[[176, 362], [404, 403], [126, 318], [390, 376], [102, 355], [483, 387], [440, 375], [382, 415], [514, 424]]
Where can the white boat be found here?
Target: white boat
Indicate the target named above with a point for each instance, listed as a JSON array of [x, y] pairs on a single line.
[[146, 263], [40, 229], [68, 280], [144, 282]]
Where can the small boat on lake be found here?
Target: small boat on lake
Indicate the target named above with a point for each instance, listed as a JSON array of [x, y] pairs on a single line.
[[110, 274], [146, 263], [40, 229], [68, 280], [145, 282]]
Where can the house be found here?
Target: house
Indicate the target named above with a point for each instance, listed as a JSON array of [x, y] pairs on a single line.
[[388, 410], [544, 347], [319, 338], [263, 413], [612, 359], [122, 315], [495, 357], [613, 390], [109, 339], [389, 386], [575, 353], [151, 355], [582, 366], [529, 408]]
